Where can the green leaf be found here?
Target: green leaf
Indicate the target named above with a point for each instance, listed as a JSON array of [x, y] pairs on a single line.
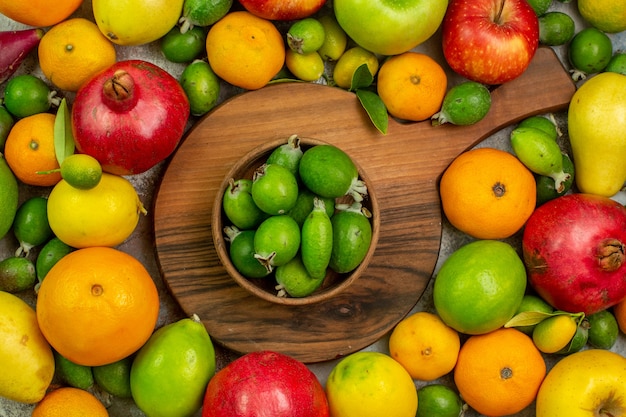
[[527, 318], [63, 137], [375, 109], [362, 78]]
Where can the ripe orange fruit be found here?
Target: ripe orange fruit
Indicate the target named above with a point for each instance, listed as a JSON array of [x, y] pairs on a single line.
[[29, 149], [69, 402], [499, 373], [245, 50], [38, 13], [412, 85], [425, 346], [487, 193], [73, 51], [97, 305], [619, 311]]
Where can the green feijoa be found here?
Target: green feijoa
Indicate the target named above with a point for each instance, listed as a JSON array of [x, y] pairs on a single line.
[[25, 95], [617, 63], [183, 47], [316, 243], [545, 185], [541, 123], [16, 274], [304, 205], [590, 51], [352, 236], [540, 153], [73, 374], [330, 172], [294, 280], [9, 197], [287, 155], [203, 12], [49, 255], [579, 340], [201, 86], [6, 123], [114, 377], [603, 329], [276, 241], [31, 226], [540, 6], [465, 104], [306, 35], [274, 189], [556, 28], [239, 206], [241, 252]]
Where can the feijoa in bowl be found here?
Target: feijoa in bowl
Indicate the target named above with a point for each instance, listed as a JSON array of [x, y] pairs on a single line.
[[347, 263]]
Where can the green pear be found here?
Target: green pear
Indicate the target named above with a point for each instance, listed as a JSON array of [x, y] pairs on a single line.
[[597, 132], [171, 371]]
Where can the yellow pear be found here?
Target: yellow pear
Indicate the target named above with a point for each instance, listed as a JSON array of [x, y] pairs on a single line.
[[26, 358], [597, 132]]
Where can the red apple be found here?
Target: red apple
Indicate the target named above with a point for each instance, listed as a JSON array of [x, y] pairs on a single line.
[[282, 9], [264, 384], [490, 41]]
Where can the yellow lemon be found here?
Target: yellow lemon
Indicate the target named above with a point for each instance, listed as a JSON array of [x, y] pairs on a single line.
[[348, 63], [26, 356], [554, 333], [370, 384], [105, 215], [606, 15], [136, 22], [73, 51]]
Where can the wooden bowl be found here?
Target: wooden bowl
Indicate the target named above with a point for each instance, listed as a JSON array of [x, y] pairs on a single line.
[[264, 288]]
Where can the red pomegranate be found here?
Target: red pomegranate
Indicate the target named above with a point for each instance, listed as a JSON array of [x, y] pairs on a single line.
[[574, 251], [130, 117], [265, 384]]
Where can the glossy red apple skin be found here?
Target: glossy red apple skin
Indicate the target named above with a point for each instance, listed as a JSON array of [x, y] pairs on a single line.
[[489, 41], [282, 9], [265, 384], [574, 250], [130, 117]]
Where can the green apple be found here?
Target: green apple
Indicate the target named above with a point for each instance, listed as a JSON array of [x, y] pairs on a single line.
[[390, 27], [587, 383]]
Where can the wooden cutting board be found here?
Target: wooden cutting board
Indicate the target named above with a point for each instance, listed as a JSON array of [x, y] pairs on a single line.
[[404, 167]]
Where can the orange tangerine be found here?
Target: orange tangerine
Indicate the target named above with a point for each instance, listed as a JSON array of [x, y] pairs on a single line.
[[412, 85], [499, 373], [97, 305], [38, 13], [487, 193], [69, 402], [619, 311], [245, 50], [29, 149], [425, 346], [73, 51]]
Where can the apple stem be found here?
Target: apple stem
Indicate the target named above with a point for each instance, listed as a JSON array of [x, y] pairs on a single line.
[[500, 10]]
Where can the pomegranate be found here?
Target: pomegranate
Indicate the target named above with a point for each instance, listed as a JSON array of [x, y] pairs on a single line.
[[573, 248], [129, 117], [264, 384]]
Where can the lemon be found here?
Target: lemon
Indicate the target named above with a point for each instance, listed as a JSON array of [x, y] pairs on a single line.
[[102, 216], [136, 22], [348, 63], [27, 368], [606, 15], [554, 333]]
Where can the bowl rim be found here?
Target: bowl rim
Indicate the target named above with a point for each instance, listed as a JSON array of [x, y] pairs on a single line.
[[246, 283]]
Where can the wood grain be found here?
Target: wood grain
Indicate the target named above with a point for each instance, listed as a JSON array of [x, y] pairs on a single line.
[[404, 166]]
